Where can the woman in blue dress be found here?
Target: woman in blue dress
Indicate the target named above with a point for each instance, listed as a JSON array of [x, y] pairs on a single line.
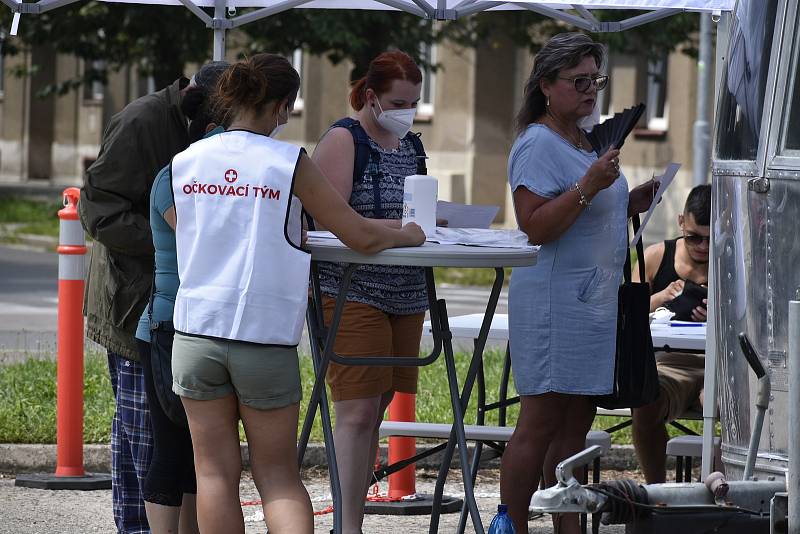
[[562, 311]]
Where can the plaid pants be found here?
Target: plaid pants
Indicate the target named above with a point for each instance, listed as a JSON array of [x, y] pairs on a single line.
[[131, 444]]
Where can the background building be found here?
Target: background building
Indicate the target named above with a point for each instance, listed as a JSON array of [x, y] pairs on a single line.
[[466, 118]]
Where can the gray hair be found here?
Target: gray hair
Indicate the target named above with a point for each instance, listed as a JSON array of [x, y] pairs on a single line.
[[562, 51]]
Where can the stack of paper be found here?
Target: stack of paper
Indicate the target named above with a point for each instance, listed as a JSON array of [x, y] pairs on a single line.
[[480, 237], [476, 237]]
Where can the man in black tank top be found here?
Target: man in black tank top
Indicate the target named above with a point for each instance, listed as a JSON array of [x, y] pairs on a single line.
[[670, 267]]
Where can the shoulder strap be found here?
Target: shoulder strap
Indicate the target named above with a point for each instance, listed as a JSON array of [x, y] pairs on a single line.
[[416, 141], [360, 143], [639, 254]]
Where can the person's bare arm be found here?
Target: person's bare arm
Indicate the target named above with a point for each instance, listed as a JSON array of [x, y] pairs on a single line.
[[368, 236], [653, 255], [652, 260], [170, 217], [335, 155], [544, 220]]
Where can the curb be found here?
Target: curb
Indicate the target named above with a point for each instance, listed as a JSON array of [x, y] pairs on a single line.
[[26, 458]]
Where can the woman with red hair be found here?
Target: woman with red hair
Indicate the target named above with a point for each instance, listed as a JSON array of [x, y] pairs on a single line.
[[367, 157]]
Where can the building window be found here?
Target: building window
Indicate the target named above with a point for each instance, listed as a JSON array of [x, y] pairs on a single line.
[[296, 59], [657, 103], [93, 90], [744, 80], [428, 93], [791, 125]]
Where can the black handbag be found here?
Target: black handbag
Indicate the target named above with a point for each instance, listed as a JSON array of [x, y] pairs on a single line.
[[635, 373], [161, 337]]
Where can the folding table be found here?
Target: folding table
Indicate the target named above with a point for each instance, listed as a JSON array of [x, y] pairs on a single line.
[[322, 338]]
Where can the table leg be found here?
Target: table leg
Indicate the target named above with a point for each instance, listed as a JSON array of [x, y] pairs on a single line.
[[457, 434], [503, 393], [476, 455], [318, 394], [458, 430]]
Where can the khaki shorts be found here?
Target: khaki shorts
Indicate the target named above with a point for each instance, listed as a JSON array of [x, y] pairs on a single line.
[[680, 375], [367, 331], [264, 377]]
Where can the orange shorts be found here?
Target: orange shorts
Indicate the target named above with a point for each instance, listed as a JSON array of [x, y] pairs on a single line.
[[367, 331]]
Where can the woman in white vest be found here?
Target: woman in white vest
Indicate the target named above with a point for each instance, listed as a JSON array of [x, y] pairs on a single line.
[[243, 290]]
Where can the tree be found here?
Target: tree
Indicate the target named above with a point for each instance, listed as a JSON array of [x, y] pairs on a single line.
[[531, 30], [160, 40], [355, 35]]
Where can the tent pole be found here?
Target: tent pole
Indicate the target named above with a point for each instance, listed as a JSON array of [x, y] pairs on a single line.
[[702, 130], [219, 30], [710, 380]]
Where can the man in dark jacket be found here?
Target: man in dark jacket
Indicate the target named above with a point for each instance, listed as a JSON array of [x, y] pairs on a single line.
[[114, 208]]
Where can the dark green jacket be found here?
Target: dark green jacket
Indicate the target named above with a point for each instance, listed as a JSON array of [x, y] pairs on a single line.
[[114, 208]]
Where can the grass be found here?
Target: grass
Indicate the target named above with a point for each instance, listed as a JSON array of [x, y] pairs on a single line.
[[22, 210], [47, 228], [34, 216], [468, 277], [28, 400]]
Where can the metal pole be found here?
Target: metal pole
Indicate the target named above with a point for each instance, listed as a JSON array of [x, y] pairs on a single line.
[[793, 485], [219, 30], [710, 376], [702, 136]]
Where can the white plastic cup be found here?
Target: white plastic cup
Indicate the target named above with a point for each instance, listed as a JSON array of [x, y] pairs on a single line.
[[420, 193]]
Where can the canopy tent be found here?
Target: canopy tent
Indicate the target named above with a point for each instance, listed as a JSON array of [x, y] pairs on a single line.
[[577, 13]]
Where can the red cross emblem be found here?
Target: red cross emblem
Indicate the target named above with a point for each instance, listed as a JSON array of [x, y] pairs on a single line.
[[231, 175]]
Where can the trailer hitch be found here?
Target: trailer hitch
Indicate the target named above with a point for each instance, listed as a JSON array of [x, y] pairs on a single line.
[[568, 495]]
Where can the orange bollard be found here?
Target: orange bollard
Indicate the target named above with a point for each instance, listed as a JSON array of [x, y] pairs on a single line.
[[403, 498], [402, 408], [71, 250], [69, 474]]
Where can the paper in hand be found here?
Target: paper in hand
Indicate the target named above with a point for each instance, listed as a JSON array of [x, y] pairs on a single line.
[[466, 215], [664, 182]]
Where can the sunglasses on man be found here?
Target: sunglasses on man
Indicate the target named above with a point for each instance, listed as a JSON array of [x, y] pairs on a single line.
[[583, 83], [695, 240]]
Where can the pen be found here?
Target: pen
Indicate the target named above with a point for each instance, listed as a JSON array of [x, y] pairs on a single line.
[[687, 324]]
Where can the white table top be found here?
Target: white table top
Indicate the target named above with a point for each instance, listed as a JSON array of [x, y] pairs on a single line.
[[427, 255], [676, 337]]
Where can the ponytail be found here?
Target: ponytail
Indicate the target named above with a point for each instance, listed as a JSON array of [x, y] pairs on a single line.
[[358, 94], [253, 83]]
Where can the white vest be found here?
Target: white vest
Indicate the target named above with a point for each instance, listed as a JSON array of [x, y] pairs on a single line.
[[242, 273]]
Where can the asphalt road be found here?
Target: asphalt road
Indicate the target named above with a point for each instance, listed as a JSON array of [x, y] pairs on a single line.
[[29, 300]]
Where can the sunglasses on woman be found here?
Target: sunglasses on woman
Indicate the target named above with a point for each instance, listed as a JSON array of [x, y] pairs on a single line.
[[695, 240], [583, 83]]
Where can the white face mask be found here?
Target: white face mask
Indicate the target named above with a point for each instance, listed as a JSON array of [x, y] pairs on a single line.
[[397, 121], [277, 130], [590, 121], [278, 126]]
